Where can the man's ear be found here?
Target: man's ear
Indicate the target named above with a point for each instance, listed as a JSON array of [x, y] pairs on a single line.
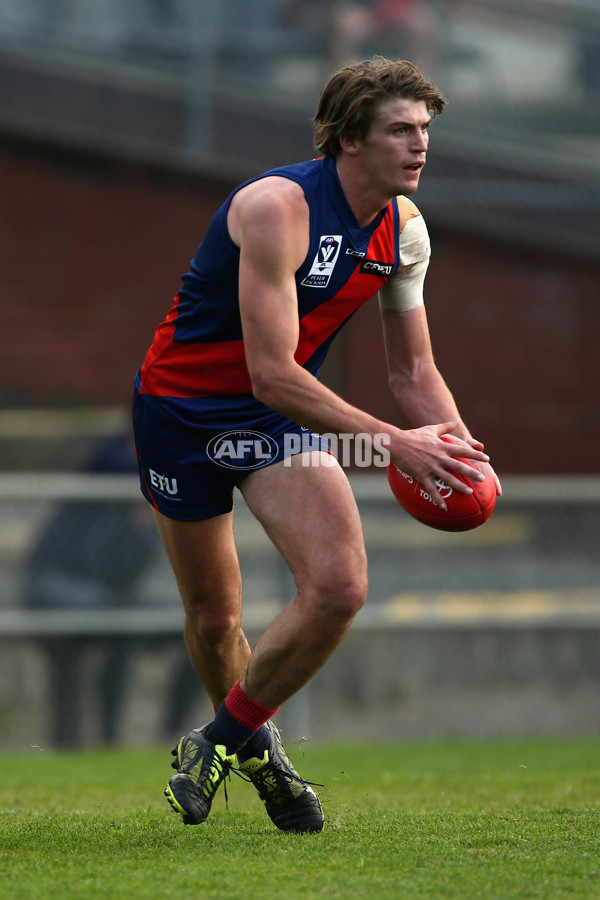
[[349, 144]]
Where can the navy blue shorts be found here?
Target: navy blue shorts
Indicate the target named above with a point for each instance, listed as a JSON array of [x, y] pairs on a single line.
[[193, 454]]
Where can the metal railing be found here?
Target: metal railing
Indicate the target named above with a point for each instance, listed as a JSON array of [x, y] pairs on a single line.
[[534, 561]]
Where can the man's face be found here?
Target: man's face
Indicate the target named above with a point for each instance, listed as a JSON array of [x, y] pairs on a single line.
[[394, 150]]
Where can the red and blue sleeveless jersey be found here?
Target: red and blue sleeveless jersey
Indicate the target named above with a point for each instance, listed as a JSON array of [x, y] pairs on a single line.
[[198, 351]]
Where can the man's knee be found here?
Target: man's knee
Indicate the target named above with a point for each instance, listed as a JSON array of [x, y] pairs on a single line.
[[214, 628], [352, 593], [340, 590]]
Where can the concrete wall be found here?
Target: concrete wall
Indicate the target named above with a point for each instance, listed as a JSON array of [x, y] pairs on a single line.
[[407, 684]]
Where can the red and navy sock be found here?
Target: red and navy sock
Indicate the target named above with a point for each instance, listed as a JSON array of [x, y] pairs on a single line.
[[237, 722]]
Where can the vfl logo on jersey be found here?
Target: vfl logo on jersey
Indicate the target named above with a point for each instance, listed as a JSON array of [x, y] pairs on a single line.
[[373, 267], [324, 262]]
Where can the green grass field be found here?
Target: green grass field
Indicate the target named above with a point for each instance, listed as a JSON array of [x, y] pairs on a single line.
[[435, 820]]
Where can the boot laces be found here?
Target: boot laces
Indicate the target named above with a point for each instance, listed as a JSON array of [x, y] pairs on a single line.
[[270, 778]]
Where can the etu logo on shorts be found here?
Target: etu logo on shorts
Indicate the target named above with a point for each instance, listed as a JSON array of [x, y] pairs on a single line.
[[163, 483], [242, 449], [324, 262]]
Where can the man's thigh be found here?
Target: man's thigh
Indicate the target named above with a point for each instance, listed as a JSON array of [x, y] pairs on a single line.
[[204, 560], [310, 514]]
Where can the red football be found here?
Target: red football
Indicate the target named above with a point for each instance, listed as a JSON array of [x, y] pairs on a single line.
[[465, 511]]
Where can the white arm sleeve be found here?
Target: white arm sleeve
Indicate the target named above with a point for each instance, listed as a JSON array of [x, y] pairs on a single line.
[[404, 290]]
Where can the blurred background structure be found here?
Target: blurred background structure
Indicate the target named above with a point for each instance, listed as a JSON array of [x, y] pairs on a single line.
[[122, 127]]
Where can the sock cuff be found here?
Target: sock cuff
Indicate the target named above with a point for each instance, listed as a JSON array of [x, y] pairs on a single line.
[[246, 710]]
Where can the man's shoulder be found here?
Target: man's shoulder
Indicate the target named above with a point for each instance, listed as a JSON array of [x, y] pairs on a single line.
[[271, 204], [300, 171], [414, 239], [407, 210], [268, 194]]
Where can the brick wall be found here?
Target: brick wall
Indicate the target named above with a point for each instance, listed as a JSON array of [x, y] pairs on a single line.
[[92, 251], [515, 334]]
